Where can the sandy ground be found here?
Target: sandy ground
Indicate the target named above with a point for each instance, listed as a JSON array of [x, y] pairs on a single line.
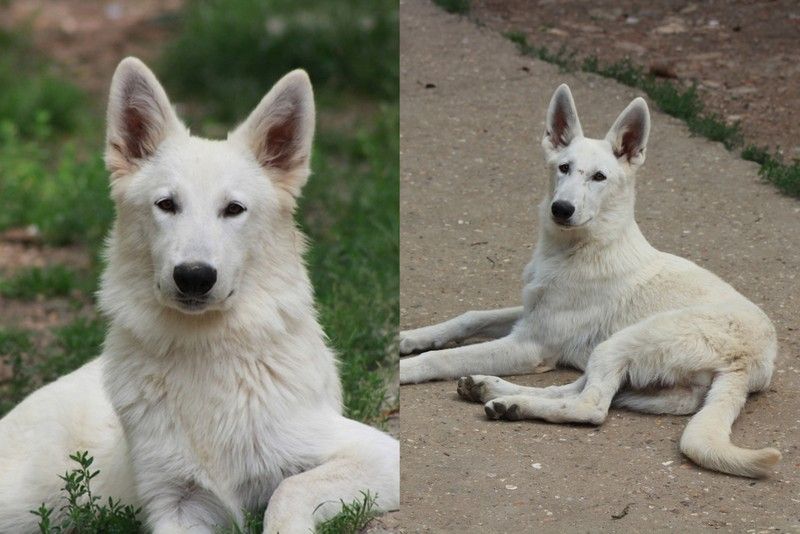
[[472, 113]]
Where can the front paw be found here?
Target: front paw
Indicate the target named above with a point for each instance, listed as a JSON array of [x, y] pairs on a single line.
[[413, 341], [411, 370], [472, 388]]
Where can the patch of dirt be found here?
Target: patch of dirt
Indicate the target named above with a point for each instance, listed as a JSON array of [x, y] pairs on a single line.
[[743, 54], [17, 256], [89, 37]]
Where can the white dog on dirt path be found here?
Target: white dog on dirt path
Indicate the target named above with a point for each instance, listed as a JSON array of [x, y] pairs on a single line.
[[653, 332], [215, 393]]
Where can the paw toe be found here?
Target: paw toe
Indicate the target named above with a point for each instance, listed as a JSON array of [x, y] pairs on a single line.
[[495, 410], [470, 389]]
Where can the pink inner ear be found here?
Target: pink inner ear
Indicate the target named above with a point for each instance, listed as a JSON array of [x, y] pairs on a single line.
[[280, 145], [135, 132], [560, 126], [630, 144]]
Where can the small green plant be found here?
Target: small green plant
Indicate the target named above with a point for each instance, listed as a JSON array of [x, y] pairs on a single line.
[[459, 7], [83, 511], [50, 281], [785, 176], [353, 518]]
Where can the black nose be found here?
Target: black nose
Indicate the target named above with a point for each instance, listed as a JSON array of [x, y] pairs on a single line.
[[562, 210], [194, 279]]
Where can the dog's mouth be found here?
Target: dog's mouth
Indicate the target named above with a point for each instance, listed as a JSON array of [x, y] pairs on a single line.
[[197, 305], [192, 304], [566, 225]]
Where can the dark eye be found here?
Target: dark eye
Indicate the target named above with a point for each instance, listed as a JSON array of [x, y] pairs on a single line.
[[233, 209], [598, 177], [564, 168], [167, 204]]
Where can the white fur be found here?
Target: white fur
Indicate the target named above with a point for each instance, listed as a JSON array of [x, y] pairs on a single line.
[[199, 411], [669, 336]]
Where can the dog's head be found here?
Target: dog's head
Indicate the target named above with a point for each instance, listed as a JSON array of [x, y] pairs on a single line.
[[591, 178], [193, 211]]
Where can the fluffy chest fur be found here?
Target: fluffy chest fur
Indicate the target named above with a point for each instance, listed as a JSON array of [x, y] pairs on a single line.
[[227, 418]]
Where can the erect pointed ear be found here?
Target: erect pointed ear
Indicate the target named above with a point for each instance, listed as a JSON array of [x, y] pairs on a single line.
[[280, 131], [562, 121], [628, 136], [139, 117]]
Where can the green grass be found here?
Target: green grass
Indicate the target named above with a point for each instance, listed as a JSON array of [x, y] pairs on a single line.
[[678, 101], [53, 186], [229, 53], [34, 91], [48, 282], [786, 177], [353, 518], [459, 7]]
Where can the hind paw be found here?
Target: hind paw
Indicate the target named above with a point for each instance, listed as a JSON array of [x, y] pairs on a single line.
[[501, 410]]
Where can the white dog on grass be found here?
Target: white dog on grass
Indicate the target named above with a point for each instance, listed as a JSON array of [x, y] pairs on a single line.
[[653, 332], [215, 392]]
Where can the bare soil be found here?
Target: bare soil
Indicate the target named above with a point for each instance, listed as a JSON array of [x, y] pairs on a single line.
[[743, 54]]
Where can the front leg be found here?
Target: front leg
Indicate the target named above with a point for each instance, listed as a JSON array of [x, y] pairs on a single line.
[[478, 388], [480, 323], [505, 356], [361, 459]]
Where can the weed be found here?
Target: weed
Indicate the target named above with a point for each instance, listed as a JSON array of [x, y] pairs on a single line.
[[353, 518], [562, 57], [85, 512], [459, 7], [785, 176]]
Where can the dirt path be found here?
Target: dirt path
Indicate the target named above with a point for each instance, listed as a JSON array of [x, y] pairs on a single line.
[[743, 54], [472, 113]]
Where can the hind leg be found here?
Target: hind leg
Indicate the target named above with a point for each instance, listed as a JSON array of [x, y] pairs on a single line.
[[665, 348], [505, 356], [482, 323], [676, 400]]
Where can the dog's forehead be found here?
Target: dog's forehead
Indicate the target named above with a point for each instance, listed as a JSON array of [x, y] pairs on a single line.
[[592, 152], [209, 164]]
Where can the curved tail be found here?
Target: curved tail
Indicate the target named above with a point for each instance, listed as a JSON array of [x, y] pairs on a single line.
[[706, 440]]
